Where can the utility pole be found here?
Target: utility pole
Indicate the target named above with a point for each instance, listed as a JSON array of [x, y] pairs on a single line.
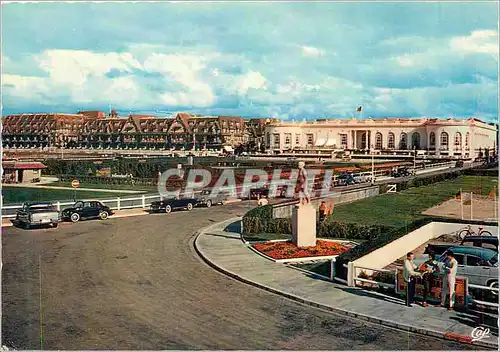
[[373, 165], [414, 159]]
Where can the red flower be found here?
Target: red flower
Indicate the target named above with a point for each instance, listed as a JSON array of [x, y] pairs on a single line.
[[287, 250]]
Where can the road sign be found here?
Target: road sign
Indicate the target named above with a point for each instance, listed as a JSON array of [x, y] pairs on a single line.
[[75, 183]]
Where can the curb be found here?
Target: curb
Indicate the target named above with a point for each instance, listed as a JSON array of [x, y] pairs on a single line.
[[388, 323]]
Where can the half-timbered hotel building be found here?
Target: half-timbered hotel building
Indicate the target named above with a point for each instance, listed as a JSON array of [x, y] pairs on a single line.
[[430, 136], [93, 129]]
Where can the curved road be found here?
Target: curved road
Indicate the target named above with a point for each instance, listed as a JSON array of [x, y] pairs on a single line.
[[137, 283]]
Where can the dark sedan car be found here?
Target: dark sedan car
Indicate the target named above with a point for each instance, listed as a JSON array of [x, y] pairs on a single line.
[[167, 205], [87, 210]]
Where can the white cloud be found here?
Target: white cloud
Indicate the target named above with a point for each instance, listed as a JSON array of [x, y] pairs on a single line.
[[312, 51], [251, 80], [478, 42]]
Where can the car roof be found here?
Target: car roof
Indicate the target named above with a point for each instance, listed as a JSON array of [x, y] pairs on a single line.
[[481, 238], [484, 253], [31, 204]]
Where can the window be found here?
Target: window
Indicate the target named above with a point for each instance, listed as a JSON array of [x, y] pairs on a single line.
[[276, 140], [343, 140], [268, 139], [415, 140], [444, 140], [402, 141], [467, 140], [474, 261], [458, 141], [378, 140], [390, 141], [432, 139], [460, 259], [297, 139], [310, 139], [288, 138]]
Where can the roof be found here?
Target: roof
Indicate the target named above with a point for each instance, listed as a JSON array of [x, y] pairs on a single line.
[[485, 253], [22, 165]]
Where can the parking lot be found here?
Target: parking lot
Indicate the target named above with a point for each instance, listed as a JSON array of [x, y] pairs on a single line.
[[137, 283]]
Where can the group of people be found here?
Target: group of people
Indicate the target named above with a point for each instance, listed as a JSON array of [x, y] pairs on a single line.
[[429, 272]]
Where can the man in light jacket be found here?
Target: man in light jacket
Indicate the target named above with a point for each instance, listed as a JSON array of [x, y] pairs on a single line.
[[450, 274], [409, 276]]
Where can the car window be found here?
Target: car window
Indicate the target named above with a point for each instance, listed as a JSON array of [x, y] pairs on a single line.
[[78, 204], [474, 261], [86, 204], [460, 259], [490, 246]]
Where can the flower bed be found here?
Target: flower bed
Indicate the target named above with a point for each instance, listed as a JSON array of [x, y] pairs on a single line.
[[287, 250]]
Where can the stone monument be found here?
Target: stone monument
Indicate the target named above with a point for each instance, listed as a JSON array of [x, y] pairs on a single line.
[[303, 214]]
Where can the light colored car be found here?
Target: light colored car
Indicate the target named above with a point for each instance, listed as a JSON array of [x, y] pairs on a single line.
[[478, 265], [35, 214], [207, 199]]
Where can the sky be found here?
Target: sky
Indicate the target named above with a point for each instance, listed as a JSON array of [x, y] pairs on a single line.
[[293, 61]]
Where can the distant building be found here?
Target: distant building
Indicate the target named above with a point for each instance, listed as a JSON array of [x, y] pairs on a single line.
[[93, 129], [21, 171], [391, 136]]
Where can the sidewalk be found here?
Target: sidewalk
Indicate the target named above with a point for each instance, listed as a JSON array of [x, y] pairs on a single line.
[[227, 253]]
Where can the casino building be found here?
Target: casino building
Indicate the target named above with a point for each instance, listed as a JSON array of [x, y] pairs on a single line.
[[464, 138]]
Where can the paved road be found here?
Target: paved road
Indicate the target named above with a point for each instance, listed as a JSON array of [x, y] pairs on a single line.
[[136, 283]]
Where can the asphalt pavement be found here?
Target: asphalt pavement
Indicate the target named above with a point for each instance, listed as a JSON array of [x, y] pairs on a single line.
[[136, 283]]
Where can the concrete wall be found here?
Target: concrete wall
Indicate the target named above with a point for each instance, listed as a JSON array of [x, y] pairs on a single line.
[[285, 210], [384, 256]]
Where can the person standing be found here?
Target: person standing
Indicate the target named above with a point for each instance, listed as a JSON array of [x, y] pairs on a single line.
[[450, 274], [431, 270], [409, 276], [322, 211]]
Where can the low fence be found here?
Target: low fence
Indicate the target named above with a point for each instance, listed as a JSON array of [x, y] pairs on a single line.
[[353, 282], [284, 210]]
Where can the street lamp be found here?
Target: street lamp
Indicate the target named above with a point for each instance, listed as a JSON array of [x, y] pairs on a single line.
[[414, 159], [373, 165]]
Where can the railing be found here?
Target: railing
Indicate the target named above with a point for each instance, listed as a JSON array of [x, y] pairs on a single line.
[[355, 279]]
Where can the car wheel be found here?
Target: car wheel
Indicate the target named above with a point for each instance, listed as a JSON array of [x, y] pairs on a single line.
[[26, 226], [168, 209], [103, 215], [55, 224], [75, 217], [494, 284], [209, 203], [189, 206]]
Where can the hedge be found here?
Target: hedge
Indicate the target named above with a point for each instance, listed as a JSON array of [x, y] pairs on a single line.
[[380, 241]]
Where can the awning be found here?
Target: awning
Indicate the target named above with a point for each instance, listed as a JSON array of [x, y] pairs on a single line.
[[331, 141], [320, 142]]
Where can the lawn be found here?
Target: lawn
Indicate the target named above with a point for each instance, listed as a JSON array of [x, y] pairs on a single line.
[[12, 195], [399, 209]]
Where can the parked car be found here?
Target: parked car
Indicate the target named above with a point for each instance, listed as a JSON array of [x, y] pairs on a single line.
[[207, 199], [489, 242], [459, 163], [82, 210], [345, 180], [256, 193], [401, 172], [167, 205], [362, 178], [33, 214], [478, 265]]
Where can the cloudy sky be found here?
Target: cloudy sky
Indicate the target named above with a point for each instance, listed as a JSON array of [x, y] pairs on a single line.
[[290, 60]]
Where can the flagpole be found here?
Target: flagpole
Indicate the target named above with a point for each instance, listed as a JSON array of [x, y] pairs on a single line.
[[461, 204], [471, 205]]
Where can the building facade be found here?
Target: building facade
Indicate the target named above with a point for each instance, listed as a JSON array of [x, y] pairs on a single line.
[[465, 138], [93, 129]]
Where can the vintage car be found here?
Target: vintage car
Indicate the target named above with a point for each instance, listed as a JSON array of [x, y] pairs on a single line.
[[86, 210], [257, 193], [167, 205], [401, 172], [344, 180], [33, 214], [490, 242], [478, 265], [207, 199]]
